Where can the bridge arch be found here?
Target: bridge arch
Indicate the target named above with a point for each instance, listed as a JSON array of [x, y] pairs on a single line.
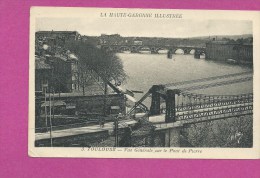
[[202, 54], [189, 50], [192, 51], [124, 48], [144, 49], [186, 51], [199, 53], [179, 51], [161, 50]]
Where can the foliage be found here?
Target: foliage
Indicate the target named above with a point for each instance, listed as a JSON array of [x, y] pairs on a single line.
[[104, 63], [231, 132], [248, 40]]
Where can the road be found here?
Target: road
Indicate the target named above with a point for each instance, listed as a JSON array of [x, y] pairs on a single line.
[[83, 130]]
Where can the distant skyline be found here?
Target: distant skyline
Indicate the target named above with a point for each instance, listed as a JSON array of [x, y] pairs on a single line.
[[173, 28]]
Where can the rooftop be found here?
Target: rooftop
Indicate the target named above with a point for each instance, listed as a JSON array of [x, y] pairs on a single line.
[[59, 32]]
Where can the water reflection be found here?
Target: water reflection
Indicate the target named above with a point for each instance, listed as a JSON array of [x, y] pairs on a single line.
[[145, 70]]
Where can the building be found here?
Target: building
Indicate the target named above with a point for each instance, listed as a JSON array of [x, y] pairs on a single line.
[[42, 74], [42, 80], [114, 39], [53, 41], [62, 75], [74, 71], [225, 50], [57, 72], [63, 35], [50, 45], [138, 42], [64, 70]]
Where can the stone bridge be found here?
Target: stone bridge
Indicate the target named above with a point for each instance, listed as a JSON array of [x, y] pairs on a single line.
[[155, 49]]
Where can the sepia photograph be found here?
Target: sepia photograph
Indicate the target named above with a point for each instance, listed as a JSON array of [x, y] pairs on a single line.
[[135, 80], [130, 89]]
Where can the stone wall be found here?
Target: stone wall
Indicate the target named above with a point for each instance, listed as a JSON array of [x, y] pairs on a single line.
[[223, 51]]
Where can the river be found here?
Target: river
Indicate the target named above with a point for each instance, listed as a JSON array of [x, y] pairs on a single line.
[[145, 70]]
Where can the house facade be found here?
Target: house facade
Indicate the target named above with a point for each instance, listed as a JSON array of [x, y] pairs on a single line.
[[224, 50]]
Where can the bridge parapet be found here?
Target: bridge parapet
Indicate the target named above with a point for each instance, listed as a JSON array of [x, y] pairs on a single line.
[[133, 48]]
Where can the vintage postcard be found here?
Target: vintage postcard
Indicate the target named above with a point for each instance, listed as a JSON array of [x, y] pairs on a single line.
[[144, 83]]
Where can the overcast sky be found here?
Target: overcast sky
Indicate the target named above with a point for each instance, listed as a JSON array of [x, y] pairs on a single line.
[[175, 28]]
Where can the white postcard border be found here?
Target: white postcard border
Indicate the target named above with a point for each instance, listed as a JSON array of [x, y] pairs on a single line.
[[212, 153]]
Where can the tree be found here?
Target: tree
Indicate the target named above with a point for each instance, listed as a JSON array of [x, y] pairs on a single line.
[[234, 132], [92, 59]]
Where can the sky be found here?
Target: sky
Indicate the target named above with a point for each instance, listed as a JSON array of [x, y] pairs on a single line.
[[173, 28]]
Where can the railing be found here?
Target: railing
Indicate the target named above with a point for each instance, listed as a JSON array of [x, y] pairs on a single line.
[[217, 113], [212, 103], [204, 97], [200, 116]]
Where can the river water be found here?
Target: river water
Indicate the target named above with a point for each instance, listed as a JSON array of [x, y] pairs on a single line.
[[145, 70]]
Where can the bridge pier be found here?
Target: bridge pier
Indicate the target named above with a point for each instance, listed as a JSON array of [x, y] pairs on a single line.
[[172, 137], [134, 49], [156, 100], [197, 54], [153, 51], [186, 51], [169, 54], [170, 115]]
